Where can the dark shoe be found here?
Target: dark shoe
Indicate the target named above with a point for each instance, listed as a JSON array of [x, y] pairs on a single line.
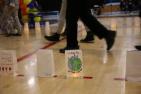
[[138, 47], [54, 37], [68, 48], [89, 38], [110, 39]]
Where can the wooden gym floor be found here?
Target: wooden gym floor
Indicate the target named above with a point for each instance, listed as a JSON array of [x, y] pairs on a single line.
[[107, 69]]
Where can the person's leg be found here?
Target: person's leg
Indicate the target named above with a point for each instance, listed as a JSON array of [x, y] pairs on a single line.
[[61, 24], [93, 24], [89, 36], [72, 15], [97, 28], [61, 27]]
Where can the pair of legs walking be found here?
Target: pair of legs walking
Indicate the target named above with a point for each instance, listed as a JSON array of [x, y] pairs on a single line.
[[62, 25], [79, 9]]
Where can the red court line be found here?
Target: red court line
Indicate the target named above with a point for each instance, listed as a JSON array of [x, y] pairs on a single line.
[[25, 56], [30, 54], [87, 77]]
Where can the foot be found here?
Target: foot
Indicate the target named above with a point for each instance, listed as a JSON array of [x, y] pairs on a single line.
[[89, 38], [110, 39], [138, 47], [54, 37], [68, 48]]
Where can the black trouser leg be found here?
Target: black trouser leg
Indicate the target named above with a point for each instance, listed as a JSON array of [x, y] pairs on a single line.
[[91, 22], [97, 28], [71, 23]]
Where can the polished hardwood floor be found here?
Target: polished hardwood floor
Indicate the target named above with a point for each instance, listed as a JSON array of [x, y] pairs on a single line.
[[107, 70]]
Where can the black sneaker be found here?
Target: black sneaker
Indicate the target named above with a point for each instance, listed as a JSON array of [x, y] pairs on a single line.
[[89, 38], [54, 37], [68, 48], [110, 39], [138, 47]]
